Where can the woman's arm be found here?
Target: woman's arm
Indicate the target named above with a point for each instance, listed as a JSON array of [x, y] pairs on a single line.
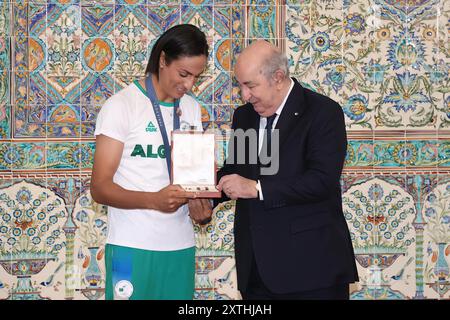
[[107, 157]]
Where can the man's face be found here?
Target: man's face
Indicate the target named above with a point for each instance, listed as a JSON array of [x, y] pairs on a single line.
[[256, 89]]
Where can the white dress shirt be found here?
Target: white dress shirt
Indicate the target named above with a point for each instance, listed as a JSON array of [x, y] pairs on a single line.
[[262, 125]]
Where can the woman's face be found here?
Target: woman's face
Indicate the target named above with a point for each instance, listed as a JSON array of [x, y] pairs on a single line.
[[178, 77]]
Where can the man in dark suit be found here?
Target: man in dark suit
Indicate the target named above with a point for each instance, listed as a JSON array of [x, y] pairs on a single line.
[[291, 238]]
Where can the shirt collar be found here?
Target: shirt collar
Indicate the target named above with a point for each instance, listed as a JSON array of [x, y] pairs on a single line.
[[280, 108]]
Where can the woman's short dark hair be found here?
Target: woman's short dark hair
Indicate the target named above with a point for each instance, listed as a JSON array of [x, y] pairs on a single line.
[[184, 40]]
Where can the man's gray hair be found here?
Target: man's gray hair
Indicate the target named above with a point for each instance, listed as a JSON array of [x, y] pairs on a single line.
[[276, 61]]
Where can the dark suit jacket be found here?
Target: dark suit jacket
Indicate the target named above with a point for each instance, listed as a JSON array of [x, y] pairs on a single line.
[[298, 233]]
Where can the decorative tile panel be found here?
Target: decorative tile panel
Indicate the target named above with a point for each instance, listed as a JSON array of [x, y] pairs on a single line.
[[385, 62]]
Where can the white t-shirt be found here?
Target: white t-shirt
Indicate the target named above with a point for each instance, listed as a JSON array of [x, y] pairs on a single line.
[[128, 116]]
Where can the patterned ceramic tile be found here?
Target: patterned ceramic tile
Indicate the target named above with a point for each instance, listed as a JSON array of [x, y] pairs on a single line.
[[223, 113], [436, 241], [386, 63], [32, 221], [5, 123], [360, 153], [380, 215], [88, 250], [161, 17], [300, 44], [262, 17], [215, 266], [5, 107], [201, 16], [73, 155], [97, 19]]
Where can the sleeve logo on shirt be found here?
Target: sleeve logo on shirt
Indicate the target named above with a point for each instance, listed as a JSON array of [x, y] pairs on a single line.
[[139, 151], [150, 127]]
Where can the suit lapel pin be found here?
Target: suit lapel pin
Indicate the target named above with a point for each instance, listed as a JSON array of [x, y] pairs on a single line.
[[296, 114]]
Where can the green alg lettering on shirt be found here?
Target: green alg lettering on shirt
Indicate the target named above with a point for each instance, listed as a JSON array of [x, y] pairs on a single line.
[[138, 151], [150, 153], [162, 152]]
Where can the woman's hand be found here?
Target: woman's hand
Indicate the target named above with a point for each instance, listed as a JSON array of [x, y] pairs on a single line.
[[170, 198]]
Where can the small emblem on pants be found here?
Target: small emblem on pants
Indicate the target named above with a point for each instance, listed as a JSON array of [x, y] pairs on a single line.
[[123, 289]]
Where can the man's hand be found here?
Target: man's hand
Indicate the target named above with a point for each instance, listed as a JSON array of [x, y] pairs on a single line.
[[236, 187], [200, 210], [170, 198]]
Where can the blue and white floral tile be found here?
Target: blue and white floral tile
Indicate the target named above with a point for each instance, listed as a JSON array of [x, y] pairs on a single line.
[[296, 34], [88, 248], [33, 218], [435, 214], [404, 69], [380, 215], [438, 75]]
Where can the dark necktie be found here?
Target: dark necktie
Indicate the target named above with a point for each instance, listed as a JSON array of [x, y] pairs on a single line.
[[267, 137]]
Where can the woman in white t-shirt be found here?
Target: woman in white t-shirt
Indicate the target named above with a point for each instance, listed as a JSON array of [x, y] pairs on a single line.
[[150, 249]]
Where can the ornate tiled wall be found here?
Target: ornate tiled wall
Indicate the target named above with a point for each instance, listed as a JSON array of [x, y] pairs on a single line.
[[386, 62]]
